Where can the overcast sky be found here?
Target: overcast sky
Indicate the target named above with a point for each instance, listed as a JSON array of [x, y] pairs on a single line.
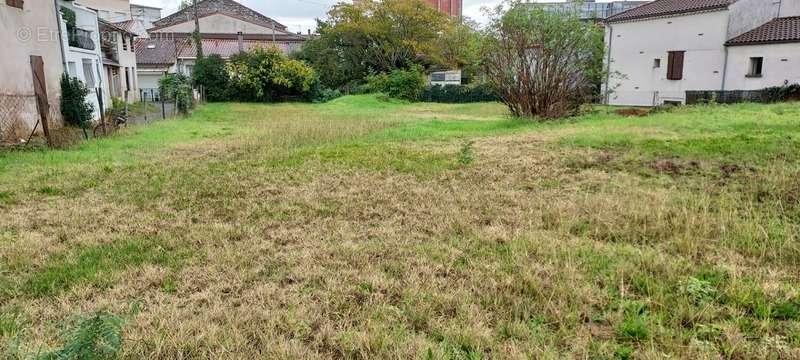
[[299, 15]]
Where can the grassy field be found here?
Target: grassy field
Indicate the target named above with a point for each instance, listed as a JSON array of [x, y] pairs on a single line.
[[367, 229]]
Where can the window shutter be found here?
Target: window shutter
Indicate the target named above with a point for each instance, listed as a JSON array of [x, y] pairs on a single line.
[[675, 65], [15, 3], [678, 65]]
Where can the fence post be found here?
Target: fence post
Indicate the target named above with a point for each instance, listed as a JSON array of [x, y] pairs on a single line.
[[102, 113], [144, 102], [163, 107]]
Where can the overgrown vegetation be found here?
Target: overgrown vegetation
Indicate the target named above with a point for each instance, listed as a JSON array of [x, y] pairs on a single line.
[[399, 84], [75, 106], [374, 229], [177, 88], [542, 63], [379, 37], [210, 74], [266, 75]]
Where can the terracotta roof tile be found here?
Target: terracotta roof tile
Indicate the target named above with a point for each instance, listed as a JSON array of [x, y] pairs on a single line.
[[157, 51], [669, 7], [226, 7], [776, 31], [227, 48]]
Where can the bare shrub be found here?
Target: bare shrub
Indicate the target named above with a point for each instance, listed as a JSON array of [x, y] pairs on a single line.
[[542, 64]]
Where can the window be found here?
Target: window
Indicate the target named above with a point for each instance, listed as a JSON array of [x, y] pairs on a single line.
[[132, 48], [124, 42], [15, 3], [675, 65], [88, 73], [656, 63], [756, 66], [72, 69]]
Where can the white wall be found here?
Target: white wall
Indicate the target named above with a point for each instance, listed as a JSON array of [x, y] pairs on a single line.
[[746, 15], [790, 8], [781, 65], [87, 20], [29, 31], [110, 10], [635, 45], [220, 24]]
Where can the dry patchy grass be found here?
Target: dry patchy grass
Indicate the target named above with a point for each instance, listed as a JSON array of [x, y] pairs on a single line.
[[354, 230]]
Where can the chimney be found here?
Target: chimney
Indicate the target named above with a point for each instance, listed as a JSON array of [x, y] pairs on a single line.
[[240, 38]]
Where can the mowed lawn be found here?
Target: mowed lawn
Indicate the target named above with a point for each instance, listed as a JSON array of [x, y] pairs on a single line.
[[369, 229]]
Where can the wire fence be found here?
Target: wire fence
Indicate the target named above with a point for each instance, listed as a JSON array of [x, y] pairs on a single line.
[[20, 119], [18, 115]]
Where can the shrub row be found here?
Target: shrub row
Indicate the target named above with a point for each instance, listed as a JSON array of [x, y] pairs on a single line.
[[459, 94]]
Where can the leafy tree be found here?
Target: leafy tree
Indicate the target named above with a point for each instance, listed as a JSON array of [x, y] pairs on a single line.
[[541, 64], [371, 36], [176, 87], [210, 73], [267, 74], [399, 83], [75, 108]]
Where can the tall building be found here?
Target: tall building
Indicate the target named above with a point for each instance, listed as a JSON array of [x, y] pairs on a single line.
[[453, 8]]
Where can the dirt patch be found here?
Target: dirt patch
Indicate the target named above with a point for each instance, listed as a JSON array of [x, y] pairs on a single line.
[[674, 167], [633, 112]]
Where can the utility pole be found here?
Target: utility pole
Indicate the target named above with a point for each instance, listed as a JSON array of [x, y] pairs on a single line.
[[198, 42]]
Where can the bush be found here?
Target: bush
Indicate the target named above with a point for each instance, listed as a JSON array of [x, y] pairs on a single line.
[[75, 108], [459, 94], [324, 95], [781, 93], [210, 73], [265, 75], [399, 84], [176, 87]]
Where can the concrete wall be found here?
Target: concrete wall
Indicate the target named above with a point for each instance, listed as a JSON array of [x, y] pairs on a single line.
[[219, 24], [635, 45], [110, 10], [781, 66], [76, 57], [28, 31], [746, 15], [790, 8]]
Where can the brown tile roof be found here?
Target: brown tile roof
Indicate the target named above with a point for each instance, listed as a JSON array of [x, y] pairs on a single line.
[[227, 48], [225, 7], [129, 25], [669, 7], [158, 51], [779, 30]]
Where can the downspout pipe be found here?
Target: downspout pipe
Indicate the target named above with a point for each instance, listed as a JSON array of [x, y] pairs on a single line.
[[60, 36], [608, 63]]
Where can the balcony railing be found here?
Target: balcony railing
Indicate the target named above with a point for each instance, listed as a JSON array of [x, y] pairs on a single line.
[[81, 39]]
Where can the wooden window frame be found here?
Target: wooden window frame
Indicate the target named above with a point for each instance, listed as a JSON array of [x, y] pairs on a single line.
[[675, 62], [19, 4]]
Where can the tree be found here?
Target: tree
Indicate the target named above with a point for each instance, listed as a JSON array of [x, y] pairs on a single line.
[[266, 75], [541, 64], [372, 36], [211, 74]]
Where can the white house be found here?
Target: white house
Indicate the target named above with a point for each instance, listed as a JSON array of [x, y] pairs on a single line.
[[80, 34], [227, 28], [660, 50]]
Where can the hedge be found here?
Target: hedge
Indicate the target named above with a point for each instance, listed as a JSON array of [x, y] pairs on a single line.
[[459, 94]]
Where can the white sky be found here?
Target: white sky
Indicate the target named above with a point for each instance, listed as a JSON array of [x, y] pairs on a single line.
[[299, 15]]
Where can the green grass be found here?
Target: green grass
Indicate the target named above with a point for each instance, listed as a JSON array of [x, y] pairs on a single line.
[[369, 229]]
